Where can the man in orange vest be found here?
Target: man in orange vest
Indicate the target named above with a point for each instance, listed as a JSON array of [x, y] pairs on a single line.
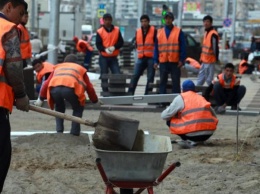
[[244, 67], [84, 47], [227, 90], [190, 116], [209, 54], [170, 54], [26, 48], [68, 81], [11, 77], [145, 38], [108, 41], [43, 70], [192, 65]]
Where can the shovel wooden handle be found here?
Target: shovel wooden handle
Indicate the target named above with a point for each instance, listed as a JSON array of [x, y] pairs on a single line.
[[61, 115]]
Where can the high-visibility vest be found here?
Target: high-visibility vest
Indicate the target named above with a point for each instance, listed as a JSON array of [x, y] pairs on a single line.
[[25, 46], [145, 48], [109, 39], [196, 115], [83, 46], [193, 63], [169, 50], [225, 84], [207, 54], [70, 75], [242, 69], [7, 94], [47, 68]]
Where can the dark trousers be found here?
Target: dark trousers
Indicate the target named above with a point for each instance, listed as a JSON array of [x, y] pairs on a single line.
[[5, 146], [175, 71], [106, 63], [222, 95], [59, 95], [87, 59], [140, 66]]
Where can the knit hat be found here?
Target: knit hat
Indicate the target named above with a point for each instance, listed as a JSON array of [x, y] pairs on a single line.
[[71, 58], [107, 15], [75, 39], [188, 85]]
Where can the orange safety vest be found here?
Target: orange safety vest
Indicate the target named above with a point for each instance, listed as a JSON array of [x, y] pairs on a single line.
[[109, 39], [196, 115], [86, 45], [7, 94], [70, 75], [242, 69], [47, 68], [225, 84], [193, 63], [145, 47], [207, 54], [169, 50], [25, 46]]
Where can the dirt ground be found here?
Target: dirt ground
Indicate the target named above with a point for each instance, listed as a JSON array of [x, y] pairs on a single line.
[[62, 163]]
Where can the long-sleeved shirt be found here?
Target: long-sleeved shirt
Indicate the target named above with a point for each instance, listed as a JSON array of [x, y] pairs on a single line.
[[176, 106], [182, 45], [13, 65], [89, 89], [99, 41]]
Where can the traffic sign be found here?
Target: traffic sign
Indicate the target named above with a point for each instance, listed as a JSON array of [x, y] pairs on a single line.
[[227, 22], [101, 12]]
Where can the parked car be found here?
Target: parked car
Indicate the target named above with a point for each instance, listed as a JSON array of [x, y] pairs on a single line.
[[240, 48]]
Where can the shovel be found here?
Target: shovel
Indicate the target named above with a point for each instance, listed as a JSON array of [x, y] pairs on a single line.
[[112, 132]]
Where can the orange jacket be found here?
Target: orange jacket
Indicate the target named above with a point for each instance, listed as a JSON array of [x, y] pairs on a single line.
[[70, 75], [145, 47], [207, 54], [109, 39], [47, 68], [169, 50], [193, 62], [241, 68], [25, 46], [83, 46], [225, 84], [196, 115], [7, 95]]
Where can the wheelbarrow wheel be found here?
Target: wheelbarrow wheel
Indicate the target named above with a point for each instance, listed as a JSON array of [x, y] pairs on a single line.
[[126, 191]]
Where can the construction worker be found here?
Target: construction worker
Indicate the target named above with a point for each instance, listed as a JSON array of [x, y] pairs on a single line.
[[190, 116], [244, 67], [170, 53], [84, 47], [36, 44], [209, 54], [192, 65], [43, 70], [68, 81], [11, 77], [145, 38], [227, 90], [108, 41], [26, 49]]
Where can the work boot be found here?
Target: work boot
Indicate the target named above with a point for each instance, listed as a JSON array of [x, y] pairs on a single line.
[[186, 144], [234, 107]]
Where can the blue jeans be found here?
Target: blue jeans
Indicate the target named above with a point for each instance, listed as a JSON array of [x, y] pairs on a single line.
[[175, 71], [58, 94], [106, 63], [140, 66]]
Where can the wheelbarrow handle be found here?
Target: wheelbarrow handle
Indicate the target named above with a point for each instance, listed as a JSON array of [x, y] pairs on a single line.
[[61, 115]]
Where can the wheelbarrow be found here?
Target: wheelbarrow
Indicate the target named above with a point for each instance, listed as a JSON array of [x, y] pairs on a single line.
[[141, 168]]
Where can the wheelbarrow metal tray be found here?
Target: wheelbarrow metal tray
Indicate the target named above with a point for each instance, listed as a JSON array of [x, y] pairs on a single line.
[[146, 164]]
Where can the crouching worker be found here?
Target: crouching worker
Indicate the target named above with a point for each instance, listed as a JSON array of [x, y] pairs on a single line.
[[190, 116], [227, 90], [68, 81], [192, 65]]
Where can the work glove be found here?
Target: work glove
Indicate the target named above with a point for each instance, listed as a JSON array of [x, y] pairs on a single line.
[[108, 51], [22, 103], [99, 103], [38, 102], [111, 48]]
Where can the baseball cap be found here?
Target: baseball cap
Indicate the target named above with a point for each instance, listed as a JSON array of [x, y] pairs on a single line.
[[188, 85], [107, 15], [169, 14]]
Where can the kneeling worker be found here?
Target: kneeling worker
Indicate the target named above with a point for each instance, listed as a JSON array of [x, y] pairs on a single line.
[[190, 116]]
